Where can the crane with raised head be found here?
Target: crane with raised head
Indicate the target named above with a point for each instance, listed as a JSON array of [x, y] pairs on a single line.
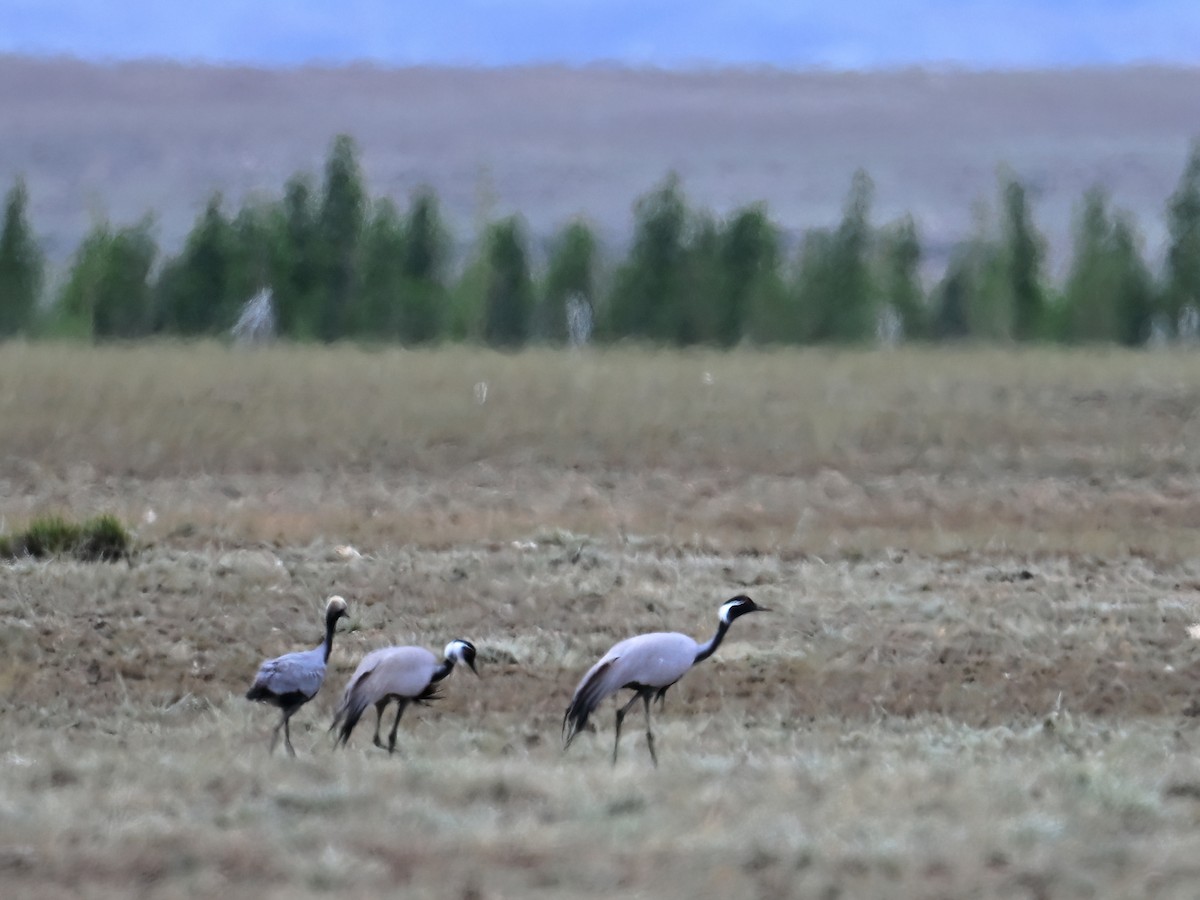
[[647, 664], [291, 680]]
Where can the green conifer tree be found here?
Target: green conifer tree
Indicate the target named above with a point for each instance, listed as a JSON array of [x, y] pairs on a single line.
[[21, 265], [423, 295], [1109, 294], [379, 312], [339, 226], [835, 289], [570, 276], [647, 290], [508, 298], [297, 265], [107, 293], [1024, 255], [750, 279], [1182, 288], [900, 278], [195, 293]]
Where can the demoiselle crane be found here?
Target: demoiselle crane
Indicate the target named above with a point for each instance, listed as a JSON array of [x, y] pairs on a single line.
[[291, 680], [647, 664], [404, 674]]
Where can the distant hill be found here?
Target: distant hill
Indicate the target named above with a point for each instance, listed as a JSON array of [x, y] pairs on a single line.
[[554, 142]]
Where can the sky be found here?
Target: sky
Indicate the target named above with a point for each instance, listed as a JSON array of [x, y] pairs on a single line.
[[838, 34]]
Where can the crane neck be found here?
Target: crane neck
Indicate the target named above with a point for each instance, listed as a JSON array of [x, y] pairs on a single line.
[[707, 649], [330, 626], [442, 670]]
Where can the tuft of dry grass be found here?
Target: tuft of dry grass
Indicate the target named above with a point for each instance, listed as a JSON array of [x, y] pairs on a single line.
[[978, 679]]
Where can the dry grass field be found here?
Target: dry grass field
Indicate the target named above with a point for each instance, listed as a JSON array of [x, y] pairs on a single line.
[[977, 680]]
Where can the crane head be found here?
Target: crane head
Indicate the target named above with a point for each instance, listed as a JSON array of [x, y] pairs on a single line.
[[335, 608], [739, 606], [462, 651]]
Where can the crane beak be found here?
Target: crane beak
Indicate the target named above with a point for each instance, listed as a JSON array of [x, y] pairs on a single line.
[[471, 664]]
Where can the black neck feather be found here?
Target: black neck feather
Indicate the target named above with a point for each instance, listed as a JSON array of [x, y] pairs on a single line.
[[708, 649], [330, 626]]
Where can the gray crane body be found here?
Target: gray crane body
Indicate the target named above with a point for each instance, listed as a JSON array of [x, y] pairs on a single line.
[[657, 660], [293, 677]]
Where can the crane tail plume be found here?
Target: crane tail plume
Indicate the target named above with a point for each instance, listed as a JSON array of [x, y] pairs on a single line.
[[347, 728], [587, 697], [574, 721], [350, 710], [257, 692], [431, 693], [347, 717]]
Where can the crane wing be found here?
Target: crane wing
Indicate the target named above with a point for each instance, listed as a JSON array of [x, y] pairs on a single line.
[[365, 668], [405, 671], [301, 672]]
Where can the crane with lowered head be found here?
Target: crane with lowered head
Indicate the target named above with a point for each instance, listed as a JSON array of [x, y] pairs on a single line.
[[404, 674]]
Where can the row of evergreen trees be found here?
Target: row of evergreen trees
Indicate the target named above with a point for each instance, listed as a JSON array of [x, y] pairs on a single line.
[[341, 264]]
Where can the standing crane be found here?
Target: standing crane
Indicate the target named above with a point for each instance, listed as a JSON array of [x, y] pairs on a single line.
[[291, 680], [404, 674], [647, 664]]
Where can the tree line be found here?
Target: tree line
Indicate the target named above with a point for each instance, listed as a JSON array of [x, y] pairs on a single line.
[[341, 264]]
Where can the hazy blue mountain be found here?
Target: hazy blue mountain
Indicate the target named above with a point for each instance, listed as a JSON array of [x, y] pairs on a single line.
[[847, 34]]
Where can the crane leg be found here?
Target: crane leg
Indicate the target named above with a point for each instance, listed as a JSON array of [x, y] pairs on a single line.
[[275, 734], [621, 718], [287, 735], [379, 721], [395, 725], [649, 733]]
